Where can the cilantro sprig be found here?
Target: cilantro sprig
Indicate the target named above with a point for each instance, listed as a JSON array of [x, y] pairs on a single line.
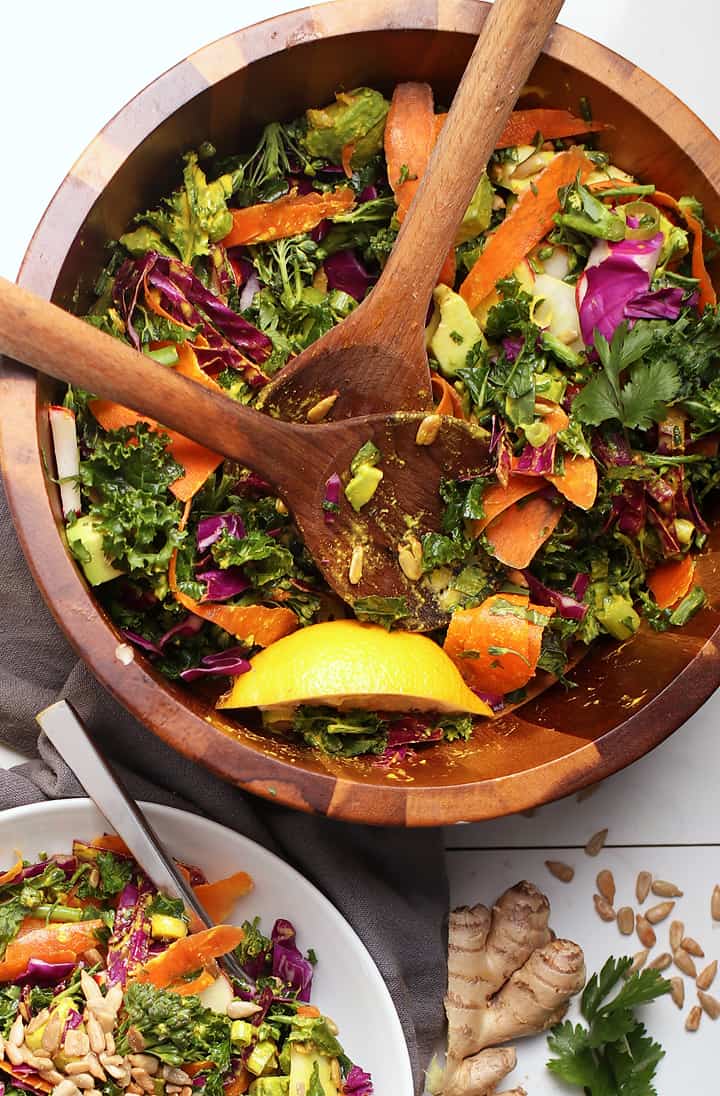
[[613, 1055], [642, 399]]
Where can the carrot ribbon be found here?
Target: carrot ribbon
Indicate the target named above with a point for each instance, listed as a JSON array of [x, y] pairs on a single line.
[[288, 216]]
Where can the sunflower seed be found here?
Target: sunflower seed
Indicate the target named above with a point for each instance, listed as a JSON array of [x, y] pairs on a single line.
[[134, 1089], [91, 990], [109, 1042], [36, 1061], [692, 947], [186, 1090], [16, 1035], [676, 934], [596, 843], [693, 1018], [37, 1021], [658, 913], [53, 1033], [96, 1035], [706, 977], [642, 885], [83, 1081], [603, 908], [710, 1004], [135, 1040], [322, 408], [529, 166], [678, 991], [410, 558], [661, 962], [240, 1010], [151, 1064], [626, 920], [66, 1088], [176, 1076], [606, 885], [715, 903], [664, 889], [645, 931], [428, 430], [561, 871], [639, 961], [14, 1054], [80, 1065], [685, 963], [142, 1077], [76, 1044], [92, 957], [356, 564]]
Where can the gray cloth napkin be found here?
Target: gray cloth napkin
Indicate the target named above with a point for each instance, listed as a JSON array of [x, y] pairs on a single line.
[[390, 884]]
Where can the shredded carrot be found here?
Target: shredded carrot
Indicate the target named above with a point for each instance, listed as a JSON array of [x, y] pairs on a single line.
[[492, 645], [409, 140], [448, 269], [530, 219], [553, 415], [346, 158], [311, 1011], [193, 1068], [189, 953], [670, 581], [448, 399], [240, 1083], [707, 294], [20, 1075], [219, 897], [259, 623], [111, 843], [497, 498], [579, 481], [523, 126], [53, 944], [13, 872], [195, 985], [517, 534], [288, 216]]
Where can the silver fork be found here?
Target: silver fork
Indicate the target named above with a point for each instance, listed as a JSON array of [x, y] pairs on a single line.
[[64, 729]]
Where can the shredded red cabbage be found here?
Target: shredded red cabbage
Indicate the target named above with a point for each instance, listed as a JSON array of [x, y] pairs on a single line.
[[580, 585], [68, 864], [658, 304], [129, 941], [496, 701], [288, 962], [331, 498], [612, 449], [616, 274], [223, 584], [346, 273], [512, 345], [358, 1083], [566, 606], [40, 973], [229, 663], [537, 460]]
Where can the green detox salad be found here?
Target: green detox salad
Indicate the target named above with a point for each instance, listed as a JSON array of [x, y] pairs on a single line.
[[108, 987], [574, 322]]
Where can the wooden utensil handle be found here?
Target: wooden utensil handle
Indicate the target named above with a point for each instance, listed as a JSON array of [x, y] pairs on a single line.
[[512, 37], [52, 341]]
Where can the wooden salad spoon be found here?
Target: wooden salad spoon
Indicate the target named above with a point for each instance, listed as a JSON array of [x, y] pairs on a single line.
[[375, 360], [358, 553]]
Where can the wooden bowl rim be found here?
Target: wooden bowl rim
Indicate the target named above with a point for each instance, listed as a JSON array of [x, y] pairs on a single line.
[[248, 766]]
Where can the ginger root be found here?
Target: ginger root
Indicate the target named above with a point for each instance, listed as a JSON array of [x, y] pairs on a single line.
[[507, 977]]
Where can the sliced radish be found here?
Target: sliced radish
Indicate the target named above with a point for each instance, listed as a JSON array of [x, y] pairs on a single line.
[[217, 996], [558, 265], [67, 458]]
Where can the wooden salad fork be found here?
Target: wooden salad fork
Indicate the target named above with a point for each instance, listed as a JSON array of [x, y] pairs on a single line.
[[375, 360]]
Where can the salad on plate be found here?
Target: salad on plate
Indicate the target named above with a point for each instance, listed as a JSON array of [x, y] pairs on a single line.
[[574, 322], [108, 986]]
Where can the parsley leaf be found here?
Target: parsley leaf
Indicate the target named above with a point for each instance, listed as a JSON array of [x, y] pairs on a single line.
[[115, 873], [341, 734], [9, 1002], [642, 399], [167, 907], [614, 1056], [12, 914], [175, 1029]]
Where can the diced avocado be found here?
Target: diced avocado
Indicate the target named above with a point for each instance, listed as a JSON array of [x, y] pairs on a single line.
[[563, 353], [86, 544], [63, 1009], [675, 241], [262, 1058], [356, 117], [363, 486], [167, 928], [478, 213], [242, 1033], [537, 433], [270, 1086], [457, 332], [615, 613], [302, 1066]]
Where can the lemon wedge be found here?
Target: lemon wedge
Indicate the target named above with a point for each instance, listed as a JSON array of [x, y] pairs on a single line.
[[346, 664]]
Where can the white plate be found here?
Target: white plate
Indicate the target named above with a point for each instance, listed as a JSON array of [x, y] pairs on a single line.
[[347, 984]]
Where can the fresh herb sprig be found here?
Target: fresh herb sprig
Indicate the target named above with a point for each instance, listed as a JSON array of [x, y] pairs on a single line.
[[613, 1055]]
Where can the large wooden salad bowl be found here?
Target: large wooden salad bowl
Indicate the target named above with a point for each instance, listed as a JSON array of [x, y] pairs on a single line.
[[628, 698]]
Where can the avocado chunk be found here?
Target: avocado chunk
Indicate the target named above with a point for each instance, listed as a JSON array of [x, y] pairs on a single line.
[[242, 1033], [306, 1068], [85, 541], [270, 1086], [615, 613], [356, 117], [457, 332], [363, 486], [62, 1009], [478, 214]]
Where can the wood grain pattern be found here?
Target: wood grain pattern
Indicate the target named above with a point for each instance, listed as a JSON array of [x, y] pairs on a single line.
[[627, 700]]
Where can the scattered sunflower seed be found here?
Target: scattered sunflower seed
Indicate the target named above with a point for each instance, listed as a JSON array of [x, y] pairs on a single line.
[[715, 903], [639, 961], [596, 843], [322, 408], [663, 889], [428, 430], [678, 991], [710, 1004], [645, 931], [693, 1018], [642, 886], [658, 913], [561, 871], [677, 930], [685, 963], [661, 962], [626, 920], [603, 908], [692, 947], [706, 977], [606, 885]]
